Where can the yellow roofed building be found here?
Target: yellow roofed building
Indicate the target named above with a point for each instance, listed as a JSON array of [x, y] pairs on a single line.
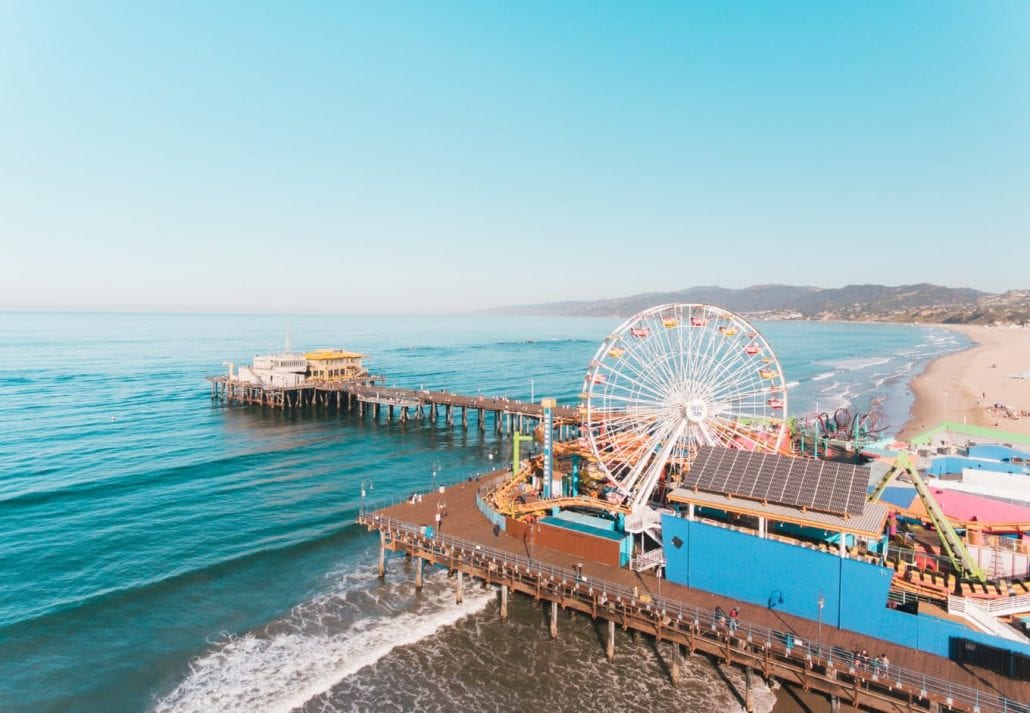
[[334, 365]]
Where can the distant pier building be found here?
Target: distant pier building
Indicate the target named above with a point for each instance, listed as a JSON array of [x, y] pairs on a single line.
[[329, 365], [275, 370]]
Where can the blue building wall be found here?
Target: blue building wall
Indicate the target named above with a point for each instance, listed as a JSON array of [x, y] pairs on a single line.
[[933, 635], [758, 571]]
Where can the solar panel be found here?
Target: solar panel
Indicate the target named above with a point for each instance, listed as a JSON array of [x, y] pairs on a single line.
[[837, 488]]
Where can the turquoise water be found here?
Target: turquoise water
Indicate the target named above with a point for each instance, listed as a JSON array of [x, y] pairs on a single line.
[[159, 551]]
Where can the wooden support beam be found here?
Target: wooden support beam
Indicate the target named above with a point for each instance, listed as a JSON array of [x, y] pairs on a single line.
[[610, 646], [382, 553], [674, 663]]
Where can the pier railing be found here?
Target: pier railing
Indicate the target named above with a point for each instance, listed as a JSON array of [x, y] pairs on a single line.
[[367, 506], [891, 682]]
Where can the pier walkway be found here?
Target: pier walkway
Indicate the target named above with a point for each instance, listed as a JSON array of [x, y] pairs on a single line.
[[365, 395], [774, 644]]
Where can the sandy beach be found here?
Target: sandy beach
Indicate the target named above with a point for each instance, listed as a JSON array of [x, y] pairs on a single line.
[[965, 387]]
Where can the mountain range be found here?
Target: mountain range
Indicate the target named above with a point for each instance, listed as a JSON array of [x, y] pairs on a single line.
[[904, 303]]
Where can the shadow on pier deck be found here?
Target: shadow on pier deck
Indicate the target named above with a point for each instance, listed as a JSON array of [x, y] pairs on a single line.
[[775, 644]]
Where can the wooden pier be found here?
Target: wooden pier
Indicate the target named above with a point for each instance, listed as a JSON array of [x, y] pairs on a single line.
[[366, 397], [766, 641]]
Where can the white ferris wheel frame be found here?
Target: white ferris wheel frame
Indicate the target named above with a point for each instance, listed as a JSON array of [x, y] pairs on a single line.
[[673, 377]]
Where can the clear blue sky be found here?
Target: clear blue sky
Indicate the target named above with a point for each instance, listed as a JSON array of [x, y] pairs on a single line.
[[414, 157]]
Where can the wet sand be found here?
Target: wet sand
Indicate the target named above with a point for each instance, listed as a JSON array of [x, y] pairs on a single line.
[[964, 387]]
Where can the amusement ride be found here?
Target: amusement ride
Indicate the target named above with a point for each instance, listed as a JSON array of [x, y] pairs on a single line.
[[670, 379]]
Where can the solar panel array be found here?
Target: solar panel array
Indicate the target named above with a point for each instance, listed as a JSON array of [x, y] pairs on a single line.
[[838, 488]]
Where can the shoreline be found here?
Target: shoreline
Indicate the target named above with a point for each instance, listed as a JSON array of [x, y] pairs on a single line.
[[964, 386]]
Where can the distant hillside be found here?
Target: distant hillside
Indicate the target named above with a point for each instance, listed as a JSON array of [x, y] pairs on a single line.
[[905, 303]]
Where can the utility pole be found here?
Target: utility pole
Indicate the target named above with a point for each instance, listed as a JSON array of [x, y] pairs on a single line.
[[821, 602]]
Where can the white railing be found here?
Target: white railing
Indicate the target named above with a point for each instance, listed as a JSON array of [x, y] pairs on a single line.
[[642, 519], [648, 560], [1006, 606], [984, 620]]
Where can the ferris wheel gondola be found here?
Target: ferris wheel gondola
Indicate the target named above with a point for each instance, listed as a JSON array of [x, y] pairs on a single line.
[[673, 378]]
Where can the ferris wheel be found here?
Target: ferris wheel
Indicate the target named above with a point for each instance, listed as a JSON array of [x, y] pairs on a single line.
[[675, 377]]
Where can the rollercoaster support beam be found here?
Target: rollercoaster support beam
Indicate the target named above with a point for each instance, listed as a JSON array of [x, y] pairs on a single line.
[[515, 447], [958, 554]]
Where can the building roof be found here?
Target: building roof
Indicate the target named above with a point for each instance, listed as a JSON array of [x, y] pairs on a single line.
[[952, 432], [868, 524], [901, 495], [329, 354], [581, 527], [966, 507], [838, 488]]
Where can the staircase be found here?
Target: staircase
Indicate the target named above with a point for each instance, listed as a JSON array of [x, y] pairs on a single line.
[[984, 615], [649, 560]]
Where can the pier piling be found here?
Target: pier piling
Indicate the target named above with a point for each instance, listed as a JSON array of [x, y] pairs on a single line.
[[674, 663], [418, 574], [610, 648], [749, 696], [459, 594], [504, 602], [554, 620], [382, 554]]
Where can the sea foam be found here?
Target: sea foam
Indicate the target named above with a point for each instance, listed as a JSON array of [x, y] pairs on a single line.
[[307, 652]]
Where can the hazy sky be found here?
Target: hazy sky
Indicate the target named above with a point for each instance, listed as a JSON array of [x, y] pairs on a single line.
[[346, 157]]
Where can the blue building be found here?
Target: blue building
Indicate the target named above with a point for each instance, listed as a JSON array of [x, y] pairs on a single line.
[[803, 559]]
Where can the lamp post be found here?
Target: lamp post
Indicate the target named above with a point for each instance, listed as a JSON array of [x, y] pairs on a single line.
[[821, 602], [371, 486]]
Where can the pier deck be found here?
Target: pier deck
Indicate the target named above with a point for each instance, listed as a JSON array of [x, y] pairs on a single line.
[[469, 543], [410, 403]]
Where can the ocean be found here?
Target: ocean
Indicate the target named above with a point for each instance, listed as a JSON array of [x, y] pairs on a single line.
[[161, 552]]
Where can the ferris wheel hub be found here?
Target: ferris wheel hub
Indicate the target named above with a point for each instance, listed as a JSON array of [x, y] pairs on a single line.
[[695, 410]]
